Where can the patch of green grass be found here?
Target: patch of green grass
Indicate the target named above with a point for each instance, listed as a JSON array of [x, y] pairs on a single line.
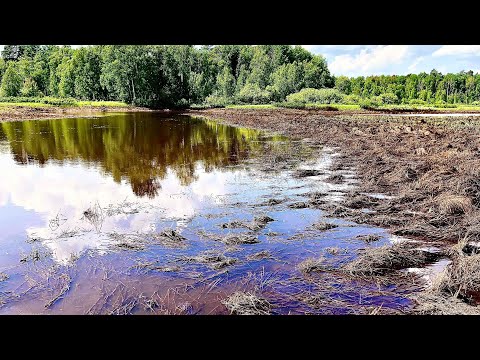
[[252, 106], [337, 106], [25, 104], [102, 103]]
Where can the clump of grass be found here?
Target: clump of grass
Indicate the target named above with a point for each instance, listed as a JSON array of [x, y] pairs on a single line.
[[264, 254], [332, 250], [212, 260], [324, 226], [369, 238], [462, 276], [298, 205], [94, 215], [247, 303], [313, 265], [385, 259], [335, 179], [169, 238], [237, 239], [450, 204], [273, 202], [233, 224], [435, 303]]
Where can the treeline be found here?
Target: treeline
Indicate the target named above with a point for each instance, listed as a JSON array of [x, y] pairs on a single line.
[[162, 75], [423, 88]]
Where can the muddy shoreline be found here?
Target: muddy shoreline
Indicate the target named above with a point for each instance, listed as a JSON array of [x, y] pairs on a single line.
[[21, 113], [427, 167]]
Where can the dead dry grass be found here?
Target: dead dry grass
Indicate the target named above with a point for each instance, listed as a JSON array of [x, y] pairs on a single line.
[[247, 303], [385, 259]]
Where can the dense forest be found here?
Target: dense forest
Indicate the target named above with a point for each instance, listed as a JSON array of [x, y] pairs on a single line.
[[161, 75], [185, 75]]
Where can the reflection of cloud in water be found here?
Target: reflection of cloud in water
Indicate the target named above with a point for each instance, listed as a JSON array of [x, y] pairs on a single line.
[[67, 191]]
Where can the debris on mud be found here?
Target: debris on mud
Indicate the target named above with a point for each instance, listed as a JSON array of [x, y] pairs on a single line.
[[247, 303]]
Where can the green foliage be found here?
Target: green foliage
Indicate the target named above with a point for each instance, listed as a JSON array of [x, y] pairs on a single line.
[[40, 100], [253, 94], [11, 81], [217, 101], [351, 99], [369, 104], [432, 88], [323, 96], [417, 102], [291, 105], [30, 88]]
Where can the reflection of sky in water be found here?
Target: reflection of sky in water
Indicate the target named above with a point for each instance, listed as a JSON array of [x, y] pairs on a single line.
[[65, 192]]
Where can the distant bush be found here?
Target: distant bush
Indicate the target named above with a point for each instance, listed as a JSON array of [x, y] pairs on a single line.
[[252, 94], [369, 104], [322, 96], [290, 105], [216, 101], [182, 104], [351, 99], [443, 104], [388, 98], [417, 102]]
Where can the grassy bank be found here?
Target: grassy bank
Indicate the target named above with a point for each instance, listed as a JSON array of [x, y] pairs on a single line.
[[356, 107], [51, 101], [15, 109]]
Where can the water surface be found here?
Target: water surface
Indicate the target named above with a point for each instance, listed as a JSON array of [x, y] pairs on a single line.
[[84, 203]]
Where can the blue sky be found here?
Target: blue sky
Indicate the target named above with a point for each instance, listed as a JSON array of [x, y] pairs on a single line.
[[356, 60]]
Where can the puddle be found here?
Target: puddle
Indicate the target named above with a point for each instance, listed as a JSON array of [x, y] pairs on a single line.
[[137, 213]]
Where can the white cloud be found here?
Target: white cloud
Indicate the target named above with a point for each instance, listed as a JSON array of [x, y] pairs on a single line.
[[465, 50], [369, 60], [413, 66]]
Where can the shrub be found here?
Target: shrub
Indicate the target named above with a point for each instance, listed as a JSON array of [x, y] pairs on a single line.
[[217, 101], [389, 98], [351, 99], [30, 88], [323, 96], [252, 94], [417, 102], [290, 105], [443, 104], [369, 104]]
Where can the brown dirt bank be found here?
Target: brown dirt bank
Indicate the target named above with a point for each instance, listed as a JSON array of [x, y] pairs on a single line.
[[430, 167], [19, 113]]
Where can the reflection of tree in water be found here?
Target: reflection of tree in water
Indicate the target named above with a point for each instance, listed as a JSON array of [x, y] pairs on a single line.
[[139, 148]]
